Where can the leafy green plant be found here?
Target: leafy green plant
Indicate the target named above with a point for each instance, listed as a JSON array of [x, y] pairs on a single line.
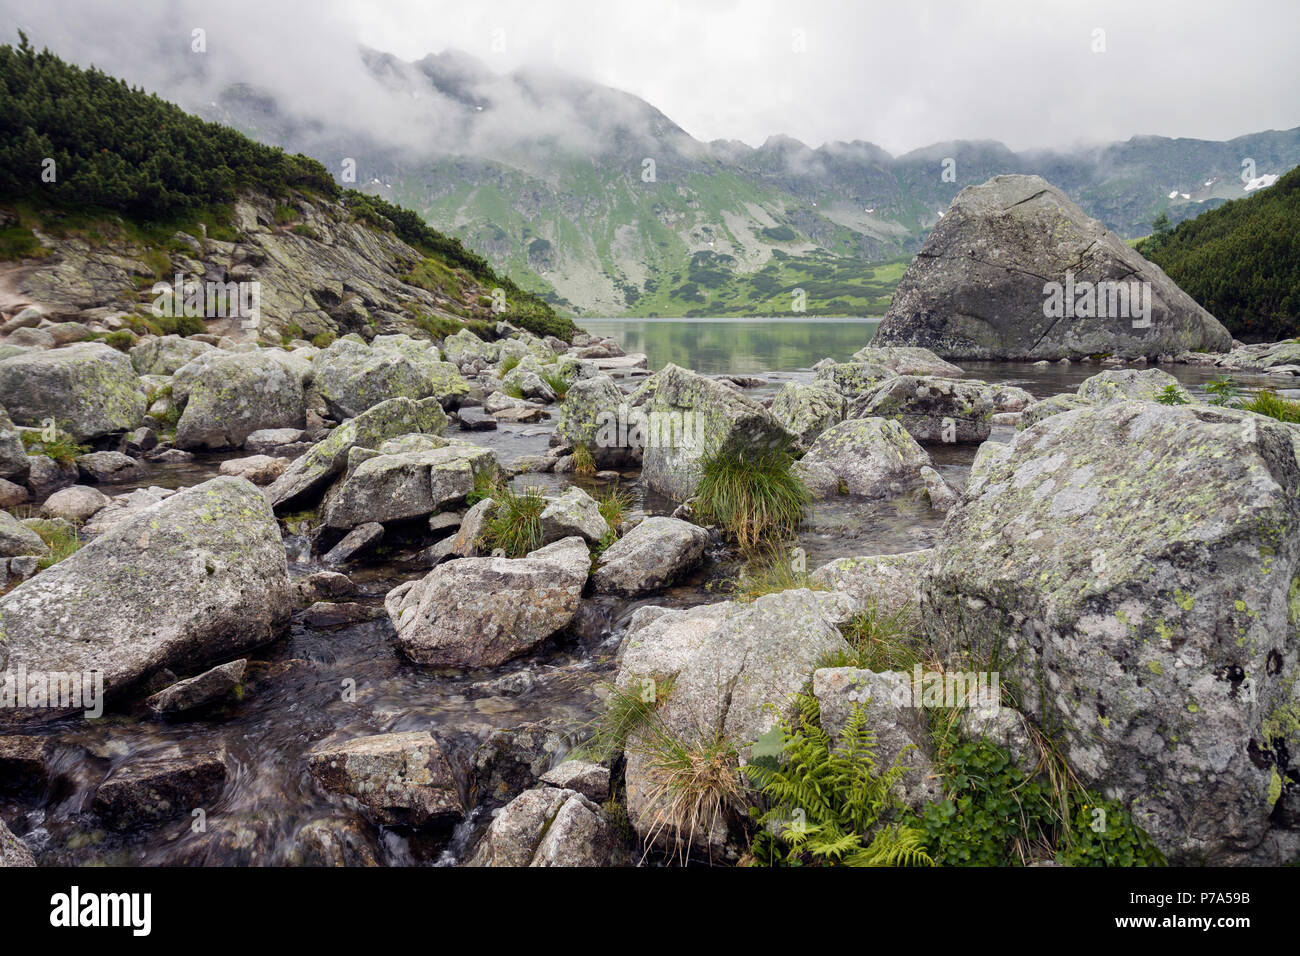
[[993, 814], [1223, 390], [515, 526], [1172, 395], [769, 571], [1103, 834], [558, 383], [827, 803], [1270, 403], [62, 447], [753, 495]]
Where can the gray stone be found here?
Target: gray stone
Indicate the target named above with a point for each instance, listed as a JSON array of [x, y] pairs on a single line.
[[18, 539], [1132, 566], [550, 827], [198, 577], [198, 691], [90, 389], [872, 457], [933, 410], [977, 287], [573, 513], [232, 395], [360, 538], [150, 790], [482, 612], [77, 503], [109, 468], [589, 779], [650, 557], [400, 779]]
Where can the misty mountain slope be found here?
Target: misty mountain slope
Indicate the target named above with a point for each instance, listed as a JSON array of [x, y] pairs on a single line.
[[599, 203]]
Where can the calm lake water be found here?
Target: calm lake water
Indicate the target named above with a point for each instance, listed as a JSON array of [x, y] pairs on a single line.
[[738, 346], [790, 348]]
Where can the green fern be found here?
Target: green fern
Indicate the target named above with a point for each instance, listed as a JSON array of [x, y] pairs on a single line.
[[827, 804]]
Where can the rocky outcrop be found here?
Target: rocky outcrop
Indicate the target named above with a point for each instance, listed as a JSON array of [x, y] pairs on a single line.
[[198, 577], [310, 474], [1133, 569], [408, 477], [352, 378], [482, 612], [980, 286], [688, 417], [89, 389]]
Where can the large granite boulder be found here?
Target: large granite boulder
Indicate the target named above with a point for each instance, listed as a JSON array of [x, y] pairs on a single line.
[[1133, 570], [482, 612], [352, 378], [1122, 384], [687, 418], [871, 457], [198, 578], [233, 394], [312, 473], [89, 389], [1012, 271], [400, 483]]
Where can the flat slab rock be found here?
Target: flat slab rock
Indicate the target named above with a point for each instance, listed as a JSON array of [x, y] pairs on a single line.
[[148, 791], [402, 779], [206, 688]]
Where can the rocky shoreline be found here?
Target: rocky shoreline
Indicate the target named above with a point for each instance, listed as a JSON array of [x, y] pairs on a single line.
[[460, 593], [1146, 618]]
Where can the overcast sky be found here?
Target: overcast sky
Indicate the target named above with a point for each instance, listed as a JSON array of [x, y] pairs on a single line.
[[901, 74]]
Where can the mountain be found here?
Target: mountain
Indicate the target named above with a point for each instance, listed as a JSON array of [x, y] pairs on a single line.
[[601, 204], [1241, 261], [139, 191]]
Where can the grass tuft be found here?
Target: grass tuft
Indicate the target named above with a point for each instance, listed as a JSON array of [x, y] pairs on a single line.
[[753, 495], [515, 526]]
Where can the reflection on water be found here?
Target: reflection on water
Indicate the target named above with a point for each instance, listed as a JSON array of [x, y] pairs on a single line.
[[741, 346]]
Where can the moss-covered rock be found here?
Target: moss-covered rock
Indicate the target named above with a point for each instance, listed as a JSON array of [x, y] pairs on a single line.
[[234, 394], [199, 578], [1131, 570], [351, 378], [89, 389]]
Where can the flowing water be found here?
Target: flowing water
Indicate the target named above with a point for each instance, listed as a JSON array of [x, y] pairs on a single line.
[[293, 698]]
